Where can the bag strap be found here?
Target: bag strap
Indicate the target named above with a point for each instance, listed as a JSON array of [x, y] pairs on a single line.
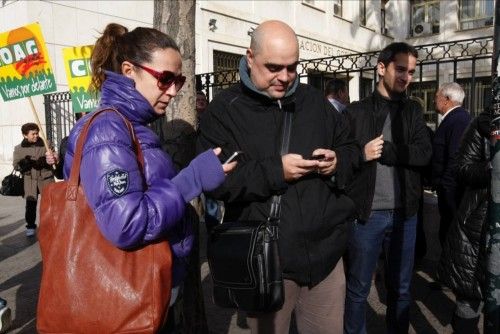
[[74, 178], [274, 215]]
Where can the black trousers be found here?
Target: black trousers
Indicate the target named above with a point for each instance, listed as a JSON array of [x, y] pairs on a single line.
[[447, 204], [30, 214]]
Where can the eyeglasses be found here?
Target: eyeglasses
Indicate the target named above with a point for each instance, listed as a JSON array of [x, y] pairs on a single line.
[[165, 78]]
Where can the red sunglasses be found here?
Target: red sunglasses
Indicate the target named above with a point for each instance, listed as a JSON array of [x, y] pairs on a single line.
[[165, 78]]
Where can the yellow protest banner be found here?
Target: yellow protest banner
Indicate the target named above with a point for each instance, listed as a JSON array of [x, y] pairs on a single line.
[[24, 63], [78, 72]]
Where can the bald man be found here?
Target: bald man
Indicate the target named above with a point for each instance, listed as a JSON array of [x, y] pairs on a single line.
[[316, 215]]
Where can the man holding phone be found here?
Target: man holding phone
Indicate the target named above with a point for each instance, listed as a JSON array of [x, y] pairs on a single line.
[[316, 215]]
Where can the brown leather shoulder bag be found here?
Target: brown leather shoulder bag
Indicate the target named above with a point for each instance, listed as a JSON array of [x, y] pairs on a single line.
[[89, 285]]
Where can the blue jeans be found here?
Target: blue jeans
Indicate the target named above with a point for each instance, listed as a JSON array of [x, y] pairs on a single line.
[[390, 230]]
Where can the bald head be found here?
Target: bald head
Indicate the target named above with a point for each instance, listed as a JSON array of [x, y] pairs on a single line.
[[270, 32], [272, 58]]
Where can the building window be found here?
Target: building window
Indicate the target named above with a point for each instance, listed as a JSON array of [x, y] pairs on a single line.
[[337, 8], [225, 61], [365, 87], [383, 27], [475, 14], [424, 93], [318, 79], [424, 17], [362, 12], [482, 94]]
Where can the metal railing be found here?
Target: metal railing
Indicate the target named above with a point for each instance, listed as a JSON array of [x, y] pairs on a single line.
[[59, 116], [445, 52], [461, 60], [457, 59]]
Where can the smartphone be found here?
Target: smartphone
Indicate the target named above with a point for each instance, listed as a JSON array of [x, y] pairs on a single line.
[[234, 156], [318, 157]]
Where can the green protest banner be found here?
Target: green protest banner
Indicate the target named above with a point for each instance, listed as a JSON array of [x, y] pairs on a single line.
[[24, 64], [78, 72]]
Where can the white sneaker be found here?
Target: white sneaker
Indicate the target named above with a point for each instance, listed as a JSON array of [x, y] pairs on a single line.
[[30, 232], [5, 319]]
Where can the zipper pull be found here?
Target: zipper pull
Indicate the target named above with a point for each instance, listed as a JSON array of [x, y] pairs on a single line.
[[279, 104]]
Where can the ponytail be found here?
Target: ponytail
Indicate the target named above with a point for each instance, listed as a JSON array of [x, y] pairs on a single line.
[[104, 54], [117, 45]]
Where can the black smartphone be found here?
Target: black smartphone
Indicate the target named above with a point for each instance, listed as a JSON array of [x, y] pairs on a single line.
[[318, 157], [233, 156]]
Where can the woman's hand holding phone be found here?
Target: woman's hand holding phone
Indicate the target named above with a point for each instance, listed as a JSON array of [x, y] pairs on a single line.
[[227, 166]]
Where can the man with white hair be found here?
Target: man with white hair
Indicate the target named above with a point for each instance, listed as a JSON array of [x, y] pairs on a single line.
[[448, 103]]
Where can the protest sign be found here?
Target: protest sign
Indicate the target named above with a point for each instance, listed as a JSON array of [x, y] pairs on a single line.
[[78, 72], [24, 64]]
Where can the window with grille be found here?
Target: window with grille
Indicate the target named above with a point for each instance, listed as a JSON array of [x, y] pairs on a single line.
[[475, 13], [365, 88], [424, 92], [225, 61], [482, 94], [424, 17]]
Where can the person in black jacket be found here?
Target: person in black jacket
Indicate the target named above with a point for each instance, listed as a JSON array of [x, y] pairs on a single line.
[[337, 93], [455, 119], [316, 214], [462, 264], [386, 189]]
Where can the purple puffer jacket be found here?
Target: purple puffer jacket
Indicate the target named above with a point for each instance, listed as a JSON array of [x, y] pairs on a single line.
[[127, 214]]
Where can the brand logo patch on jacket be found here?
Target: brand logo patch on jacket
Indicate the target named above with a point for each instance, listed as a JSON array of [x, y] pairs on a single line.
[[117, 181]]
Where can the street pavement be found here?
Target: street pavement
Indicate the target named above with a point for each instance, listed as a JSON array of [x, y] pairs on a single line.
[[20, 270]]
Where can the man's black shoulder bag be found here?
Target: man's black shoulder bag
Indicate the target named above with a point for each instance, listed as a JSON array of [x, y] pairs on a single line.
[[244, 259]]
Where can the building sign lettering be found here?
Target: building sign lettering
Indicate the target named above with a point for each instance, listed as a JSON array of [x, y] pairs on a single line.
[[321, 49]]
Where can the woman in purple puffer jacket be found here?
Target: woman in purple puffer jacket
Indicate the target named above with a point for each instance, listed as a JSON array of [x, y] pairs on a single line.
[[138, 73]]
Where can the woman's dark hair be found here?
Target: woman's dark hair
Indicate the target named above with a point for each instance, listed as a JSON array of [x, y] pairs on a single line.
[[26, 128], [388, 54], [117, 44]]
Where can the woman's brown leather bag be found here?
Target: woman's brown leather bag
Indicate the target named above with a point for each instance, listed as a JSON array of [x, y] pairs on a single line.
[[88, 285]]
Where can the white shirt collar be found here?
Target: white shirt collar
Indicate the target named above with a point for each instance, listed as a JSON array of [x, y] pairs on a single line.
[[338, 105], [446, 113]]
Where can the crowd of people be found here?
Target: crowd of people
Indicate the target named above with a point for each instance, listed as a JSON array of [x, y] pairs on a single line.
[[351, 184]]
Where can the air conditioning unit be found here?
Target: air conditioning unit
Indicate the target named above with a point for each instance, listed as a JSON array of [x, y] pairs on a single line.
[[422, 28]]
